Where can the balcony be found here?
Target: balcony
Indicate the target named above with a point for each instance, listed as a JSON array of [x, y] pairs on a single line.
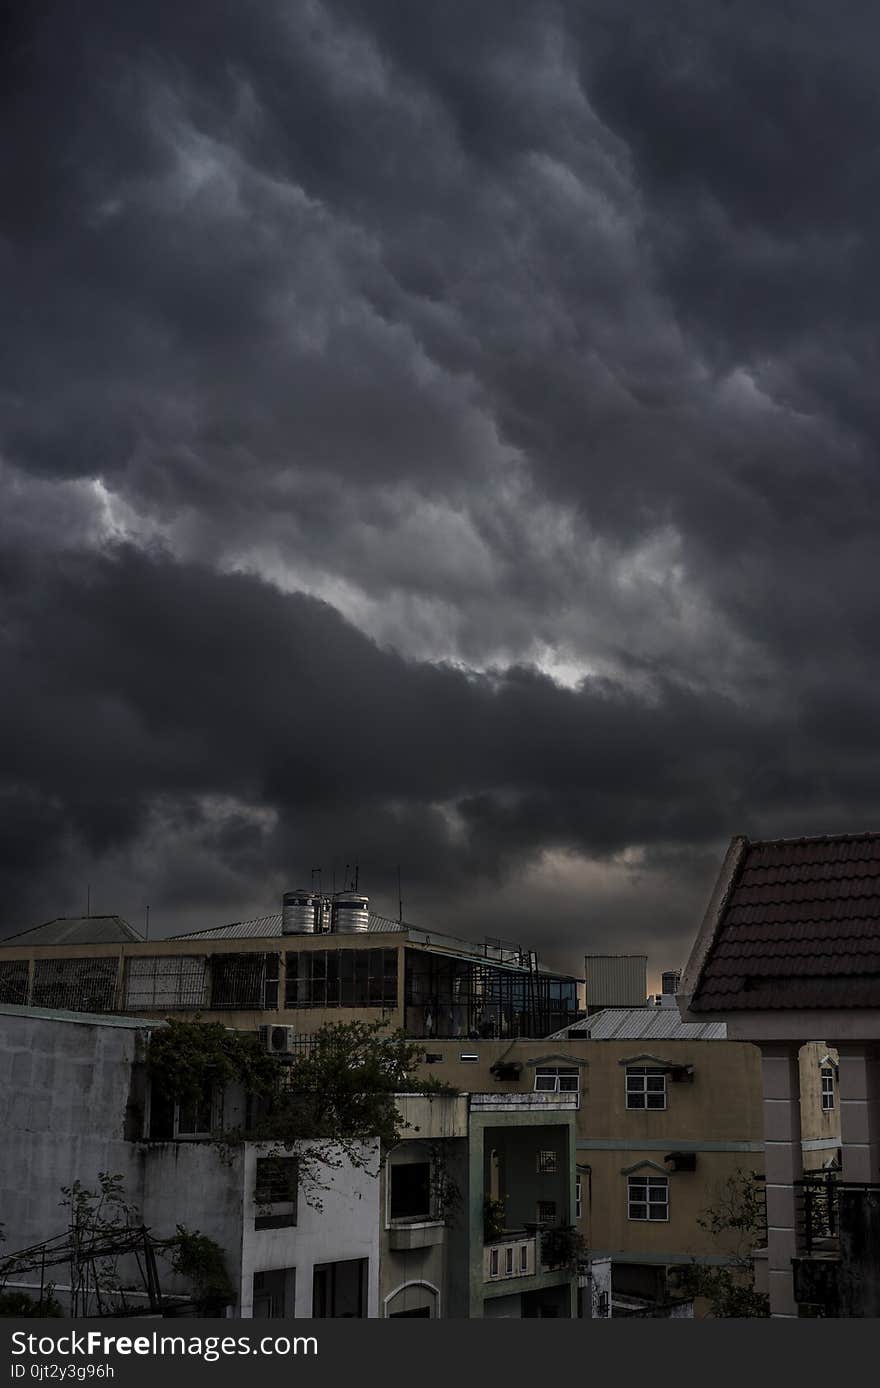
[[523, 1103], [838, 1271], [515, 1254]]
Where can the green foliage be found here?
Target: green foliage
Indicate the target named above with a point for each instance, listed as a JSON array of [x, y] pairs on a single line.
[[560, 1246], [337, 1098], [19, 1305], [493, 1218], [184, 1058], [730, 1291], [201, 1261]]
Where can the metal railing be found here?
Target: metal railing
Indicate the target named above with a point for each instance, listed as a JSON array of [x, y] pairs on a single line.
[[827, 1206]]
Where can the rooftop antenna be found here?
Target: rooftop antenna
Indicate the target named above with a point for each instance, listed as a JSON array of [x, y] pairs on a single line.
[[88, 898], [356, 875], [334, 875], [345, 879], [316, 872], [399, 898], [147, 923]]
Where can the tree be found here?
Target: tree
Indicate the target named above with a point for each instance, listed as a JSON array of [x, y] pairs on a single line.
[[330, 1104], [739, 1212]]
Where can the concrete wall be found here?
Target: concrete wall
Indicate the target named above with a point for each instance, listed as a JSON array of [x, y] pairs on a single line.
[[820, 1130], [71, 1107], [335, 1223], [718, 1115], [64, 1092]]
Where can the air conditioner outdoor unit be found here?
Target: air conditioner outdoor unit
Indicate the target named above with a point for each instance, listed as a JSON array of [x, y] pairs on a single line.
[[278, 1040]]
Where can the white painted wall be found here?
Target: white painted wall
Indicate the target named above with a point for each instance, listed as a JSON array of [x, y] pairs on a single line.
[[347, 1226]]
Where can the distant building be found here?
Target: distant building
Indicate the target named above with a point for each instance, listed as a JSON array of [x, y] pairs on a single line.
[[273, 971], [789, 949], [616, 980]]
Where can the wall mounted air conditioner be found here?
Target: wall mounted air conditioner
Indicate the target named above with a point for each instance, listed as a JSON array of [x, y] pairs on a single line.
[[278, 1040], [682, 1161], [506, 1069], [682, 1074]]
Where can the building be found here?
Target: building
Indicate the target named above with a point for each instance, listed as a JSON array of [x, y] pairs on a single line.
[[789, 949], [76, 1102], [615, 980], [666, 1112], [400, 1239], [274, 970]]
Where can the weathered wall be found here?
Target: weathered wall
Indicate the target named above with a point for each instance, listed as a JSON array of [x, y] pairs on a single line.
[[718, 1115], [336, 1222], [820, 1130]]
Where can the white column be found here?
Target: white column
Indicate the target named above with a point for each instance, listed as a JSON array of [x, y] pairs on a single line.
[[859, 1090], [782, 1167]]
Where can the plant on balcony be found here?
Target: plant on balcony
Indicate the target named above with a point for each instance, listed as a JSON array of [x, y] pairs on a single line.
[[560, 1246], [493, 1219]]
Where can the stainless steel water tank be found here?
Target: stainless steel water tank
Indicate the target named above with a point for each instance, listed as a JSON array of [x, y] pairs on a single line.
[[351, 915]]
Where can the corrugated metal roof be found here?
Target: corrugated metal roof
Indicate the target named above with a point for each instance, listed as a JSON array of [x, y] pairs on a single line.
[[643, 1024], [265, 927], [94, 1019], [77, 930], [800, 928], [269, 927]]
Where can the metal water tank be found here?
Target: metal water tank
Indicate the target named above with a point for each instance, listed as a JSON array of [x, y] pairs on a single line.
[[299, 912], [351, 915]]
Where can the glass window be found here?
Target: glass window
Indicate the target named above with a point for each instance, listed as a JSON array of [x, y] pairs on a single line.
[[276, 1190], [645, 1087], [557, 1079], [410, 1195], [341, 978], [827, 1088], [648, 1197], [547, 1163]]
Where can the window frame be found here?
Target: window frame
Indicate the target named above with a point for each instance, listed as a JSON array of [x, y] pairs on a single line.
[[275, 1213], [642, 1091], [826, 1088], [430, 1215], [556, 1074], [647, 1183]]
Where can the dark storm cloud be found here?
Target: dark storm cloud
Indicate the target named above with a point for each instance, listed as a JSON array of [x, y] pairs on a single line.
[[139, 686], [521, 334]]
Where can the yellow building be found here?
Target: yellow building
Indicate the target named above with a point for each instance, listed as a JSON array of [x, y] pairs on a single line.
[[667, 1113]]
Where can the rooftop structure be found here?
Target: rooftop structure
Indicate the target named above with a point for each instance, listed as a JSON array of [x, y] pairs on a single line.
[[299, 968], [789, 950], [642, 1024], [794, 923], [77, 930]]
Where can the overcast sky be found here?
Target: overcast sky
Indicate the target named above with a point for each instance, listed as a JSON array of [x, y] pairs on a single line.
[[441, 434]]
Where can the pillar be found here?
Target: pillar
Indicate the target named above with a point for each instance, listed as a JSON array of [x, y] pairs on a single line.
[[859, 1091], [783, 1166]]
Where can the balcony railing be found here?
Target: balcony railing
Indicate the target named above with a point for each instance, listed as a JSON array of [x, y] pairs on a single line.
[[520, 1103], [825, 1205], [513, 1255]]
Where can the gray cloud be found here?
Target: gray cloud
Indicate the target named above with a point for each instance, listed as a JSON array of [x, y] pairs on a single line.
[[438, 434]]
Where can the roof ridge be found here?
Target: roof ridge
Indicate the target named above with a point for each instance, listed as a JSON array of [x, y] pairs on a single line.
[[861, 836]]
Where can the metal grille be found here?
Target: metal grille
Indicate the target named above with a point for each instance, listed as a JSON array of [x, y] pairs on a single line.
[[166, 982], [244, 981], [77, 985], [14, 981]]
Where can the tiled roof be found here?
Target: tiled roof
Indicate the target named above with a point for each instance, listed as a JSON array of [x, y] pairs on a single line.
[[77, 930], [800, 928], [643, 1024]]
